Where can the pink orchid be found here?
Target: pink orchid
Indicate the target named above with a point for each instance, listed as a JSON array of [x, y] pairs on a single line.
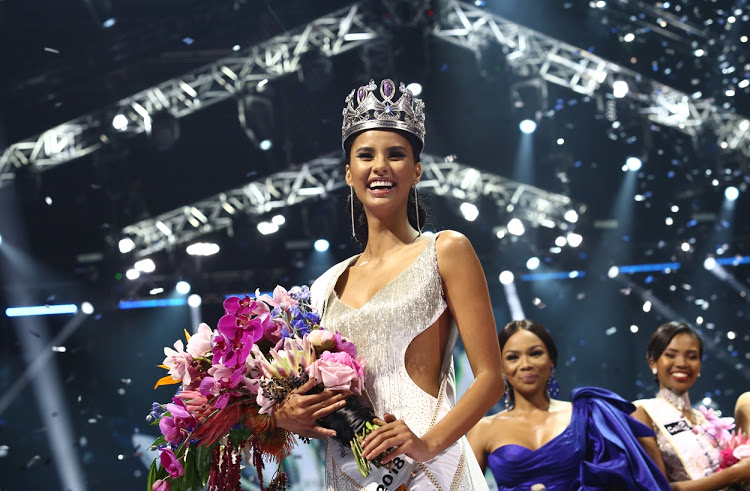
[[178, 426], [171, 463], [339, 371], [717, 427], [199, 344], [240, 334], [161, 485], [281, 298], [178, 362]]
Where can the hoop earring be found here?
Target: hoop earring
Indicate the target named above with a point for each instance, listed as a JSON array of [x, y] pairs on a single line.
[[351, 207], [553, 388], [416, 208]]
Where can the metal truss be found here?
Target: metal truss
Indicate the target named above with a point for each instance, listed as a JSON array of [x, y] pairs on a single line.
[[317, 178], [530, 52], [332, 34]]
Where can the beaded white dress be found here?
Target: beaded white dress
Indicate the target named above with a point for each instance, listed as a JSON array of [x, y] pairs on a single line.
[[382, 329]]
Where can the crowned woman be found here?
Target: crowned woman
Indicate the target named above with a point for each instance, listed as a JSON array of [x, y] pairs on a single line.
[[403, 301]]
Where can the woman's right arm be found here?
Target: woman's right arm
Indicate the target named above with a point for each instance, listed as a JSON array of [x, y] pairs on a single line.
[[299, 412], [649, 444]]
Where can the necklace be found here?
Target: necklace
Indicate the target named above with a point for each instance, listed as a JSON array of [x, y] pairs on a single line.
[[681, 402]]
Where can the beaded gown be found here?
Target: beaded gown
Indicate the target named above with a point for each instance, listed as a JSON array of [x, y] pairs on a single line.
[[382, 329]]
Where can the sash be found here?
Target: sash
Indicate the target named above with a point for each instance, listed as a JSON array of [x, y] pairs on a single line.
[[697, 454]]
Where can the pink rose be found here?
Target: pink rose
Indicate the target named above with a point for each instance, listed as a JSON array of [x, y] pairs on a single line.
[[171, 463], [727, 458], [161, 485], [339, 371], [322, 340]]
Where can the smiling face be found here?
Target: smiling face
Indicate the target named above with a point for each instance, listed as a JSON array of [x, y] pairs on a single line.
[[679, 365], [382, 170], [526, 363]]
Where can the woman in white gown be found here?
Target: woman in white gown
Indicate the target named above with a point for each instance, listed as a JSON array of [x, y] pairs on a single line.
[[403, 301]]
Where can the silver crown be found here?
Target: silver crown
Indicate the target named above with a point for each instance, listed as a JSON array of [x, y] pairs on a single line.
[[364, 111]]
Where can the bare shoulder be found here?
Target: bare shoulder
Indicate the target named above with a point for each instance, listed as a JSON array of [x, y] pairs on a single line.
[[743, 399], [450, 242], [642, 415]]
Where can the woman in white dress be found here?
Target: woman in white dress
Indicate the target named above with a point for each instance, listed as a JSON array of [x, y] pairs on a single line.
[[403, 301], [689, 458]]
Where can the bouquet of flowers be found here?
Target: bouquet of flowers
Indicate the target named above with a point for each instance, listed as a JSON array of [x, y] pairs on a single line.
[[732, 443], [231, 377]]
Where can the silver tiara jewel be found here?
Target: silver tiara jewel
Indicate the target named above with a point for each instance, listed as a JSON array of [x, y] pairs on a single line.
[[364, 111]]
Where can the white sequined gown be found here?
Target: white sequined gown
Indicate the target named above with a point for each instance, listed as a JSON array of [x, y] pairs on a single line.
[[382, 330]]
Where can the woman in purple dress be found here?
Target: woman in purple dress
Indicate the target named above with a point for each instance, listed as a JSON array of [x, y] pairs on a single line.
[[539, 442]]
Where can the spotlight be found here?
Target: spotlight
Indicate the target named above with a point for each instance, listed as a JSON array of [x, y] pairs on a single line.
[[470, 211], [87, 308], [145, 266], [126, 245], [1, 240], [278, 220], [182, 287], [265, 145], [202, 249], [685, 247], [709, 263], [120, 122], [571, 216], [634, 329], [321, 245], [532, 263], [574, 240], [527, 126], [132, 274], [613, 272], [731, 335], [561, 241], [506, 277], [731, 193], [156, 291], [416, 88], [515, 227], [266, 228], [633, 163], [619, 89], [109, 23], [647, 306], [194, 300]]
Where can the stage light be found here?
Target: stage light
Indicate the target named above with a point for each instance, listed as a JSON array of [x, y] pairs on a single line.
[[685, 247], [532, 263], [620, 89], [515, 227], [571, 216], [194, 300], [506, 277], [267, 228], [145, 265], [633, 163], [87, 308], [629, 37], [1, 239], [321, 245], [416, 88], [560, 141], [527, 126], [647, 306], [109, 23], [731, 335], [278, 220], [156, 291], [202, 249], [613, 272], [709, 263], [669, 221], [120, 122], [41, 310], [182, 287], [151, 303], [707, 401], [469, 211], [132, 274], [236, 47], [561, 241], [126, 245], [574, 240], [731, 193], [265, 145], [634, 329]]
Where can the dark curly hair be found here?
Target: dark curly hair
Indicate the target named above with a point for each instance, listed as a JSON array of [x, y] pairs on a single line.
[[360, 219]]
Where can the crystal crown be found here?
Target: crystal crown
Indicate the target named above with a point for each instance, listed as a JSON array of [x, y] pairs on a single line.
[[364, 110]]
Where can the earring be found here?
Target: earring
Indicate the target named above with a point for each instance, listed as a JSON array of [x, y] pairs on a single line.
[[416, 208], [351, 207], [506, 395], [553, 388], [653, 370]]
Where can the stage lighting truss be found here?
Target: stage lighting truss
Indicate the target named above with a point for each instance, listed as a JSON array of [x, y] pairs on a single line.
[[331, 34], [528, 52], [318, 178]]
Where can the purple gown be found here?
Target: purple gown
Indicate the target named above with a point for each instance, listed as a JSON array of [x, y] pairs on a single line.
[[598, 450]]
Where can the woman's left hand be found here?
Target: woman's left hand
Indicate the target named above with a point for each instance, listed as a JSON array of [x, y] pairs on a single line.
[[399, 439]]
